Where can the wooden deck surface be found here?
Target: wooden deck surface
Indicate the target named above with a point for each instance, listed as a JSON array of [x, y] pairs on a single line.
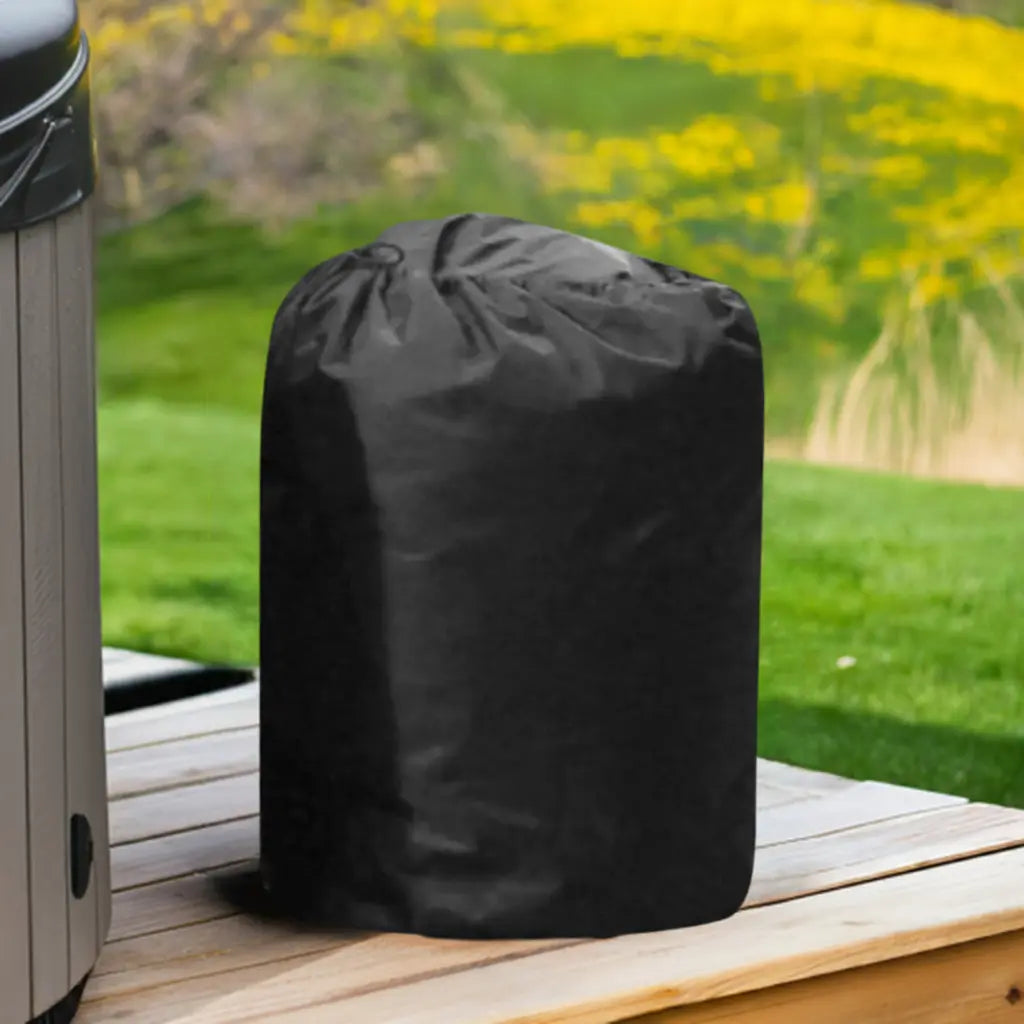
[[870, 903]]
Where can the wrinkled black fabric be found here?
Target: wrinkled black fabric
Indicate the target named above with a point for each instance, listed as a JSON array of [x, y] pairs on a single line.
[[511, 535]]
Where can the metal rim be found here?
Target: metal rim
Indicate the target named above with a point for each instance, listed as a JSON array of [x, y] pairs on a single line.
[[53, 95]]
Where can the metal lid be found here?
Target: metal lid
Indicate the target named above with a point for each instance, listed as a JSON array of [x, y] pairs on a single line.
[[47, 158], [38, 44]]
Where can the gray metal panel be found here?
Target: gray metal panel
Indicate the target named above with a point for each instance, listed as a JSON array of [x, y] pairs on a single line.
[[44, 613], [101, 827], [83, 683], [15, 964]]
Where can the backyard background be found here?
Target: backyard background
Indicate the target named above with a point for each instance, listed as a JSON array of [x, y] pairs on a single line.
[[855, 168]]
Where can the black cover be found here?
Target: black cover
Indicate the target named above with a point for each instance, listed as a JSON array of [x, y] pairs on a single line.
[[511, 526]]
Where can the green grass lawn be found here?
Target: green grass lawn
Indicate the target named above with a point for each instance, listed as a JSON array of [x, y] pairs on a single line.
[[917, 581]]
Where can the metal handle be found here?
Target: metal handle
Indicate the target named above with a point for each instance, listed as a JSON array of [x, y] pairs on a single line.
[[33, 159]]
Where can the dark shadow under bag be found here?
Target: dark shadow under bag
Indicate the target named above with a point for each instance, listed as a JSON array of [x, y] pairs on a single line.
[[510, 573]]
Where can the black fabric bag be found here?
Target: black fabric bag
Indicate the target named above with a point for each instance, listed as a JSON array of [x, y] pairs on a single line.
[[511, 544]]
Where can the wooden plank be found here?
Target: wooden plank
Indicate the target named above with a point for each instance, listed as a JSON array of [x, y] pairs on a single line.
[[236, 708], [42, 503], [235, 750], [133, 680], [224, 971], [83, 682], [140, 770], [194, 1000], [258, 992], [777, 788], [804, 780], [222, 951], [636, 974], [169, 904], [195, 950], [879, 849], [782, 873], [219, 947], [15, 964], [122, 666], [846, 808], [973, 983], [163, 813], [184, 853], [770, 795]]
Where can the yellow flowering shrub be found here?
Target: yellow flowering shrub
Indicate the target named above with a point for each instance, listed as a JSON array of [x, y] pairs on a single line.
[[969, 73], [721, 166], [835, 159], [823, 44]]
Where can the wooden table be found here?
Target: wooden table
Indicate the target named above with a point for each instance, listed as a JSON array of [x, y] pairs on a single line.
[[871, 903]]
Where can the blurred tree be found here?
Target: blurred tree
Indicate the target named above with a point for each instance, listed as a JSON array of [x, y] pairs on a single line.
[[156, 66], [271, 106]]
